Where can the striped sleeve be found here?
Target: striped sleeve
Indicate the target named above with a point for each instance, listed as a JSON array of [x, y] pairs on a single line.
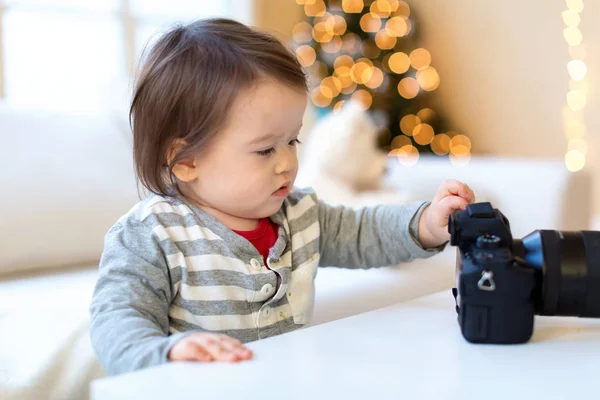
[[129, 308], [371, 236]]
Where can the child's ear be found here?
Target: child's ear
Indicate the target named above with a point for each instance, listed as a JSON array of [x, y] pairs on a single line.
[[185, 170]]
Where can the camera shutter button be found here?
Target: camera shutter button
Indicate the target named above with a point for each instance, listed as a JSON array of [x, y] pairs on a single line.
[[488, 242]]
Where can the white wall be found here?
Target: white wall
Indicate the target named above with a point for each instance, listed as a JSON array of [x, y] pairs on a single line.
[[503, 73]]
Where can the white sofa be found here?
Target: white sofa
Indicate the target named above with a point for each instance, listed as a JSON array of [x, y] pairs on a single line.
[[66, 179]]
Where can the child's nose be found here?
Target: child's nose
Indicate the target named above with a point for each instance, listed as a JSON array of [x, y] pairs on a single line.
[[286, 162]]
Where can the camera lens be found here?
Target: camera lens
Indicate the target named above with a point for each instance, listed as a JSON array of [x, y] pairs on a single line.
[[568, 265]]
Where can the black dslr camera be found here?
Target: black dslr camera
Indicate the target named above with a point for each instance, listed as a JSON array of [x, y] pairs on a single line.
[[503, 282]]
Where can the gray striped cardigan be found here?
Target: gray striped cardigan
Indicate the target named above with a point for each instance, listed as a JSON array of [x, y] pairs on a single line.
[[168, 269]]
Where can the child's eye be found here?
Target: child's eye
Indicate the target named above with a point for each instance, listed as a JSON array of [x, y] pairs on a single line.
[[266, 152], [295, 142]]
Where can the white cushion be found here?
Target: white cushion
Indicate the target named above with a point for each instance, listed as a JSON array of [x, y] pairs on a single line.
[[46, 351], [343, 292], [65, 180], [531, 193]]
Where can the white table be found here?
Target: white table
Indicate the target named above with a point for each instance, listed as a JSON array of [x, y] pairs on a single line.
[[411, 350]]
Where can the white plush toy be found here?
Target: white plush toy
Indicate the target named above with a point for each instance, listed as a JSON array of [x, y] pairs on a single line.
[[341, 161]]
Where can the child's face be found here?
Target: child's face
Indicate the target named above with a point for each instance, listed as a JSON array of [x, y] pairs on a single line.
[[248, 169]]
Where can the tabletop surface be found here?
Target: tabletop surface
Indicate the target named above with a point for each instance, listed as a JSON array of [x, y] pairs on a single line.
[[411, 350]]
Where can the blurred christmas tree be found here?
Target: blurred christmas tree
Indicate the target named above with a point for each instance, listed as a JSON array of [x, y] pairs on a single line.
[[366, 50]]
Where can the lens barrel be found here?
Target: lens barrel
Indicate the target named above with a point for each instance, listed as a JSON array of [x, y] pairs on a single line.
[[568, 266]]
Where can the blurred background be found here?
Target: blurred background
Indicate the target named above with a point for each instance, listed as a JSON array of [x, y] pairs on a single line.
[[505, 78]]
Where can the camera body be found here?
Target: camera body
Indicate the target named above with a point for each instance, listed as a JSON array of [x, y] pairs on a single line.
[[502, 283]]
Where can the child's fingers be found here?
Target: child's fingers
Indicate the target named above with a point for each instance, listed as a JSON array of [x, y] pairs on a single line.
[[235, 347], [470, 195], [220, 350], [449, 204], [453, 187], [200, 354]]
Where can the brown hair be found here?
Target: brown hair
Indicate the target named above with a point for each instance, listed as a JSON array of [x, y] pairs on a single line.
[[189, 80]]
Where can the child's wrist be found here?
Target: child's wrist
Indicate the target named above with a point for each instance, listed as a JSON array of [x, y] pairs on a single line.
[[427, 238]]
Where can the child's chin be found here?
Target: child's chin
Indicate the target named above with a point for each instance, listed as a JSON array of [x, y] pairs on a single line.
[[273, 206]]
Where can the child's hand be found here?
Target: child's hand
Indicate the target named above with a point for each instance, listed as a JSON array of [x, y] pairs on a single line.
[[433, 226], [205, 347]]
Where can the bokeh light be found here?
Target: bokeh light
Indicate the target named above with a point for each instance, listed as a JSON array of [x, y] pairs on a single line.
[[396, 27], [423, 134], [384, 40], [408, 88], [578, 88], [368, 23], [322, 32], [571, 18], [352, 6], [302, 32], [460, 145], [402, 10], [426, 115], [577, 69], [408, 124], [315, 9], [407, 155], [399, 62], [318, 99], [428, 79], [376, 79], [400, 141], [575, 5], [338, 106], [340, 26], [363, 97], [420, 58], [330, 87], [441, 144], [381, 8], [362, 71], [306, 55], [574, 160], [572, 36]]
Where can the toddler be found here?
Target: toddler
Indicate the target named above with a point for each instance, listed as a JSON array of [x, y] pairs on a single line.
[[225, 250]]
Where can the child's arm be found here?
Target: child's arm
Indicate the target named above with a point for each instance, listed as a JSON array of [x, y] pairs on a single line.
[[129, 309], [387, 234]]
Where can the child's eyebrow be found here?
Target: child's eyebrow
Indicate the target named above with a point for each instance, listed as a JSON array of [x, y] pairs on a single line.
[[268, 136], [264, 138]]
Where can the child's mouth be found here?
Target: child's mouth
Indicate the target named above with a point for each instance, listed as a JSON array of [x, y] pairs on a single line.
[[283, 191]]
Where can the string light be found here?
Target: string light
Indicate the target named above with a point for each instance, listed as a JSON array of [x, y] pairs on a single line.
[[577, 95]]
